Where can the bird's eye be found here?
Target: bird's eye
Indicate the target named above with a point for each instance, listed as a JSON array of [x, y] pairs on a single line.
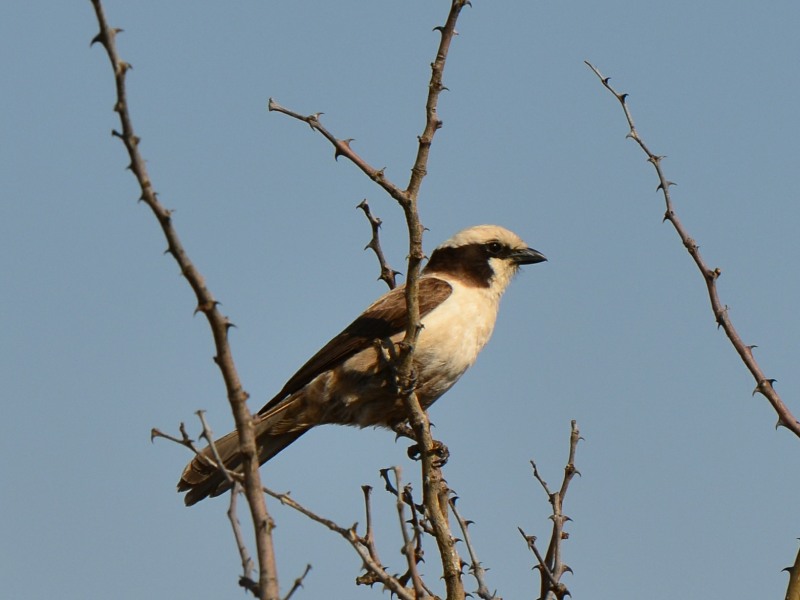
[[494, 248]]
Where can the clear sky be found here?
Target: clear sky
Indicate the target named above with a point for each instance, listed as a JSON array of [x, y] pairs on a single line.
[[687, 489]]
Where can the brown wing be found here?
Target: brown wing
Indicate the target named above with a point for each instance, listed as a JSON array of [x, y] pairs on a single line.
[[386, 317]]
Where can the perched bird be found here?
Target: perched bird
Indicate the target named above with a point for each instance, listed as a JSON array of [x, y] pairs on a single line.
[[350, 381]]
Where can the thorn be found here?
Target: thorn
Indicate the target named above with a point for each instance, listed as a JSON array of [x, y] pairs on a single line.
[[346, 144], [762, 383], [438, 28], [97, 38]]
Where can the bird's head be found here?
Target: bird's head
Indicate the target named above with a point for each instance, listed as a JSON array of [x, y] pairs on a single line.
[[485, 256]]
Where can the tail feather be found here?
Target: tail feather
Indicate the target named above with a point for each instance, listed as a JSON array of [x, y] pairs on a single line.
[[201, 478]]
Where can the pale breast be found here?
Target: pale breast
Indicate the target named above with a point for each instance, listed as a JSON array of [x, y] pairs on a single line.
[[452, 336]]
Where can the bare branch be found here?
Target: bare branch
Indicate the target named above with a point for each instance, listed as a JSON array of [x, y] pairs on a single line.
[[375, 571], [476, 568], [342, 148], [764, 385], [298, 583], [409, 547], [387, 273], [551, 566], [550, 583], [369, 536], [246, 580], [219, 324], [435, 490]]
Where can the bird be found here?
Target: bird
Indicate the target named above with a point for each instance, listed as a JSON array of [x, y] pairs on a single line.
[[350, 381]]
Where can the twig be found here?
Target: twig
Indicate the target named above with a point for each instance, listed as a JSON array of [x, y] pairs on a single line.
[[246, 580], [764, 385], [342, 148], [369, 536], [409, 546], [552, 566], [375, 569], [387, 273], [219, 324], [476, 568], [550, 584], [209, 437], [298, 583], [184, 440]]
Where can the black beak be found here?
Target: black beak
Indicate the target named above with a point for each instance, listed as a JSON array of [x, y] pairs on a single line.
[[528, 256]]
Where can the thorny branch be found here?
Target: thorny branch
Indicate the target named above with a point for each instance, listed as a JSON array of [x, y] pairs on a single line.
[[793, 590], [388, 274], [298, 583], [476, 568], [552, 566], [411, 544], [219, 324], [364, 547], [764, 385], [246, 580], [435, 490]]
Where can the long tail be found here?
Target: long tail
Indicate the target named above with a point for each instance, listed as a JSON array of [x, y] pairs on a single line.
[[202, 479]]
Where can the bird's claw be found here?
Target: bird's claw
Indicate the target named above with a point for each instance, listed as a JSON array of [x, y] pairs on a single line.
[[439, 451], [403, 430]]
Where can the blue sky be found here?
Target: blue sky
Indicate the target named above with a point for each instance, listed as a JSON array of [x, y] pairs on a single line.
[[687, 489]]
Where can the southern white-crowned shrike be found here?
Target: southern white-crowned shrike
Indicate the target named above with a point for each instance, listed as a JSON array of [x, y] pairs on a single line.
[[351, 382]]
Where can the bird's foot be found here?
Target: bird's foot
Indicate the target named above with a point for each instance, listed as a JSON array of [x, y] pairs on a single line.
[[403, 430], [439, 451]]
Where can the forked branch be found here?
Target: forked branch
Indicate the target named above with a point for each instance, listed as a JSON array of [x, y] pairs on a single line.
[[435, 490], [551, 566]]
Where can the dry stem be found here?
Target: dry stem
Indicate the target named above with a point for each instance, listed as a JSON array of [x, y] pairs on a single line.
[[388, 274], [552, 566], [219, 324], [435, 490], [764, 385]]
